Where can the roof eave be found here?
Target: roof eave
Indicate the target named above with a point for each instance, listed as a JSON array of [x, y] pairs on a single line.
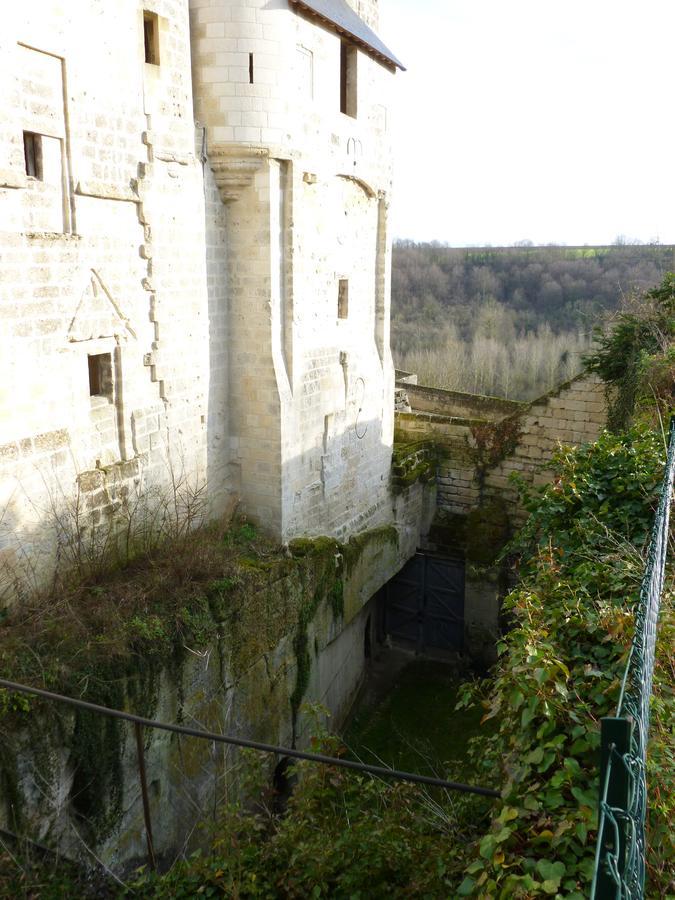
[[389, 62]]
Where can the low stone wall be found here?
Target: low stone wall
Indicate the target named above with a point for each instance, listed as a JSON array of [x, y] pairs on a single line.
[[477, 455], [405, 377], [455, 403], [450, 435]]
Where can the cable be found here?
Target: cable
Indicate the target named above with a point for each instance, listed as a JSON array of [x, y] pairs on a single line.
[[382, 771]]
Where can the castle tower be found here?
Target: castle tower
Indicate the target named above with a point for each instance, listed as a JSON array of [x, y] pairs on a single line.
[[294, 99]]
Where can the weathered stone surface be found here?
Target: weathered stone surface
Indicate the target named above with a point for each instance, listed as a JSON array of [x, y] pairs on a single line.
[[478, 504], [469, 475], [235, 374], [296, 634]]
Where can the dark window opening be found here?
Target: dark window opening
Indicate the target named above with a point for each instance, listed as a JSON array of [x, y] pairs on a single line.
[[343, 298], [250, 68], [348, 57], [32, 151], [101, 375], [151, 37]]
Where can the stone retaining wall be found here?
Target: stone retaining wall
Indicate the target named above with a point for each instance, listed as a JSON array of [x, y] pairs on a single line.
[[456, 403], [477, 502], [292, 631], [478, 455]]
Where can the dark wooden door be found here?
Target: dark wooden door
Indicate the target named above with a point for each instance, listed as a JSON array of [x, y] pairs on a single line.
[[424, 603]]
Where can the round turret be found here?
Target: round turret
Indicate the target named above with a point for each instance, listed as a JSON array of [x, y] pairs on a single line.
[[287, 81]]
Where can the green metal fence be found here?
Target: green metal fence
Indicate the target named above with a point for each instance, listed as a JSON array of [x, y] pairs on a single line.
[[621, 850]]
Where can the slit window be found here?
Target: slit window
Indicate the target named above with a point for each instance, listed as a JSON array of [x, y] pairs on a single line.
[[250, 68], [151, 37], [32, 151], [305, 72], [343, 298], [348, 82], [100, 375]]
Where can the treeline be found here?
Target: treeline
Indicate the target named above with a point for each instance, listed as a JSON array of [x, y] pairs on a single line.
[[507, 364], [509, 321]]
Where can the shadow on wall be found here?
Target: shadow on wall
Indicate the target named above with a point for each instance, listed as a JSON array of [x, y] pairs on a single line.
[[221, 469]]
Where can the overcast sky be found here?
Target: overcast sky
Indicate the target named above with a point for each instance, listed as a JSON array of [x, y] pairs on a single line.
[[533, 119]]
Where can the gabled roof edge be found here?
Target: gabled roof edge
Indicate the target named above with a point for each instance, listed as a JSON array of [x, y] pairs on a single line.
[[338, 15]]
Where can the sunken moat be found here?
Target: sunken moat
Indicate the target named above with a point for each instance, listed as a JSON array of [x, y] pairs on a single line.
[[226, 631]]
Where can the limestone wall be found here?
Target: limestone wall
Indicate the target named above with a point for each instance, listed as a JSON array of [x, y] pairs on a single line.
[[573, 415], [477, 503], [307, 189], [113, 372], [195, 310], [288, 630], [477, 455], [457, 403], [268, 78]]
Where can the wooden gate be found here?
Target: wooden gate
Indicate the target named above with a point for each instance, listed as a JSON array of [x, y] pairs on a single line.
[[424, 604]]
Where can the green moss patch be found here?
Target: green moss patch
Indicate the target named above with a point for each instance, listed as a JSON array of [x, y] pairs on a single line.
[[112, 642], [415, 726]]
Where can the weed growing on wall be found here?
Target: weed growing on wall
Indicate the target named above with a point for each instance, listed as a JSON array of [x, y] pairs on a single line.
[[88, 532], [220, 589]]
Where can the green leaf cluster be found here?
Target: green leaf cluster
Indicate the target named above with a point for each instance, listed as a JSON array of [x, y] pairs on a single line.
[[634, 357], [343, 837], [582, 556]]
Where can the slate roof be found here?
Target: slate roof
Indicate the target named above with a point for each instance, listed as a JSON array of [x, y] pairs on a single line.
[[342, 18]]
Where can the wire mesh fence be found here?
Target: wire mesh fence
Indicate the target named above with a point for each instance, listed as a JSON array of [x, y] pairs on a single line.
[[621, 852]]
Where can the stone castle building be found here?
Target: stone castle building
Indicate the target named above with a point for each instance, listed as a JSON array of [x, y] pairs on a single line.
[[194, 264], [194, 312]]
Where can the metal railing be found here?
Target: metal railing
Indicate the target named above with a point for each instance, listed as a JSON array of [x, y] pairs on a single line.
[[139, 723], [620, 859]]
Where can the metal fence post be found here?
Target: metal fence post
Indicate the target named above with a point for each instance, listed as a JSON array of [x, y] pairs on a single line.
[[615, 737], [138, 729]]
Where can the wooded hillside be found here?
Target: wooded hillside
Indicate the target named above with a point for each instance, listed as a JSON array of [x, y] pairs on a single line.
[[511, 321]]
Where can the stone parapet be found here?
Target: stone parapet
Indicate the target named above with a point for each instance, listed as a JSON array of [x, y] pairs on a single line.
[[462, 405], [478, 456]]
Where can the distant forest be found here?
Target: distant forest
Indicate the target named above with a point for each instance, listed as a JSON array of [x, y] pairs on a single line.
[[509, 321]]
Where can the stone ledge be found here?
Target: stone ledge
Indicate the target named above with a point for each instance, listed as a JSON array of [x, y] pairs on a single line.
[[11, 178], [103, 190]]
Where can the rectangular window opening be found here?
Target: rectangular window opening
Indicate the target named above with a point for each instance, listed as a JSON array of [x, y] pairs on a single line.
[[32, 151], [305, 71], [101, 375], [343, 298], [348, 81], [151, 37], [250, 68]]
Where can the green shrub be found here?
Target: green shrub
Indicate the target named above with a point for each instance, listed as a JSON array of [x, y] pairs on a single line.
[[582, 559], [630, 356], [343, 836]]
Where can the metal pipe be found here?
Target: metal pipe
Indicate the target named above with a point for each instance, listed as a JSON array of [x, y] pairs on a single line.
[[381, 771], [138, 729]]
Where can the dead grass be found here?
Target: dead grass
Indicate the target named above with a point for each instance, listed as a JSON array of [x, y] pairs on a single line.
[[149, 608]]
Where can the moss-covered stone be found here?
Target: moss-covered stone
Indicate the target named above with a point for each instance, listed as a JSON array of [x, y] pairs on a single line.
[[244, 610], [495, 441], [448, 532], [384, 535], [487, 531]]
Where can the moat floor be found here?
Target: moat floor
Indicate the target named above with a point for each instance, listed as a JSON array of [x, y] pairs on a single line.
[[406, 718]]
